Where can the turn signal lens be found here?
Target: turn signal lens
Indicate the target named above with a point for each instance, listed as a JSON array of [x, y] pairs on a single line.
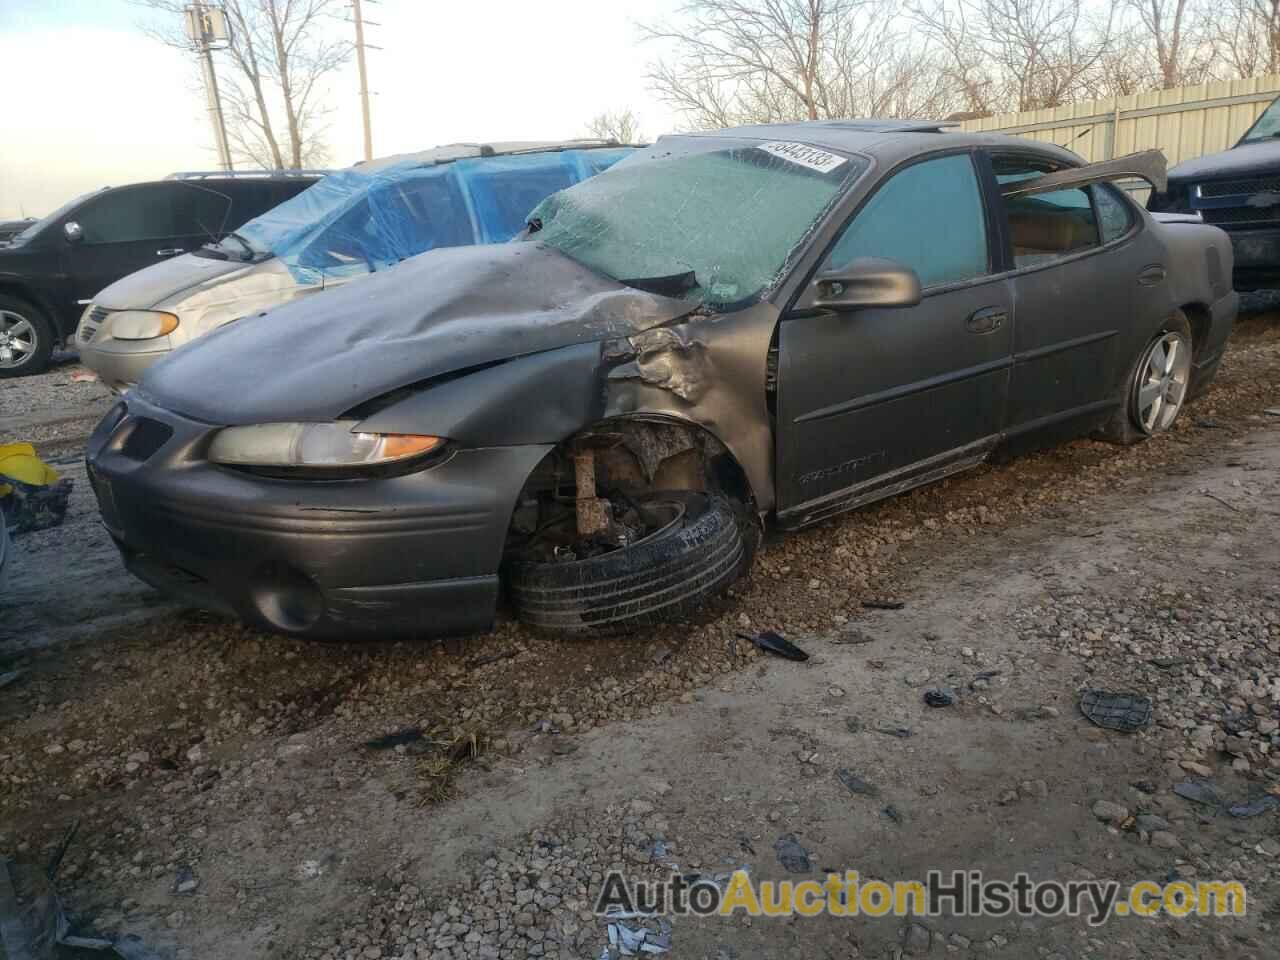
[[141, 324], [305, 445]]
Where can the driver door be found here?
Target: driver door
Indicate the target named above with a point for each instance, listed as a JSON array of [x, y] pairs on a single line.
[[874, 400]]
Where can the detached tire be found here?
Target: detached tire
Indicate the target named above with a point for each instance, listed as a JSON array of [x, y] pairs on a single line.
[[672, 572], [26, 338], [1154, 390]]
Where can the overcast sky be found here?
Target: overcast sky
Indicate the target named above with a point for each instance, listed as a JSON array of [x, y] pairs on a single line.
[[89, 100]]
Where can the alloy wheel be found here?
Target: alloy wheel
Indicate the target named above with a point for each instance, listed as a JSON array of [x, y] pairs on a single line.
[[18, 339], [1162, 381]]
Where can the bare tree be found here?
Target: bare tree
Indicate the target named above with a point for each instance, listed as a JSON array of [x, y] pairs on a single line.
[[1246, 36], [621, 126], [1020, 54], [281, 52], [1174, 34], [751, 61]]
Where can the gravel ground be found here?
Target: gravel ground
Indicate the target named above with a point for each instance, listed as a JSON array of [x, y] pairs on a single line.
[[217, 773]]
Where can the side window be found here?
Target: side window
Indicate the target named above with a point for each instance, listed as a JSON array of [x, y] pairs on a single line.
[[134, 213], [200, 211], [927, 217], [1114, 215], [1043, 226]]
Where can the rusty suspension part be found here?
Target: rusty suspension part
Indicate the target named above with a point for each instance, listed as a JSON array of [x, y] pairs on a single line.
[[593, 512]]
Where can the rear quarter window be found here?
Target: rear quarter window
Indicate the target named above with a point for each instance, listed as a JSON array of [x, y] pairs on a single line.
[[1114, 214]]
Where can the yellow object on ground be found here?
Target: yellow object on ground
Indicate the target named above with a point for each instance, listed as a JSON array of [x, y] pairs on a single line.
[[18, 461]]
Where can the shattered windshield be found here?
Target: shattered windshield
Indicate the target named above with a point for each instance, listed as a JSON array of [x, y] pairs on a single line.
[[716, 226], [1266, 127]]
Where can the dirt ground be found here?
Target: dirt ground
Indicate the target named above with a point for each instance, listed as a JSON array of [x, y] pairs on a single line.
[[229, 805]]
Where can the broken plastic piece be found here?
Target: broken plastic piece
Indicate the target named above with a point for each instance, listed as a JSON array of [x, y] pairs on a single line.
[[940, 697], [856, 784], [1252, 808], [776, 644], [1125, 712], [793, 857], [883, 604], [1199, 791]]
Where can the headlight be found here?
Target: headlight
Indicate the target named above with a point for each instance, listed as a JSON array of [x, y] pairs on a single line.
[[319, 445], [141, 324]]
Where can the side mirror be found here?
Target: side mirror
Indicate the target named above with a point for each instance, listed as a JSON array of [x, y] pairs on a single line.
[[73, 231], [865, 282]]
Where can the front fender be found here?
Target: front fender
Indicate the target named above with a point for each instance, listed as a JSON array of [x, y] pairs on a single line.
[[707, 370]]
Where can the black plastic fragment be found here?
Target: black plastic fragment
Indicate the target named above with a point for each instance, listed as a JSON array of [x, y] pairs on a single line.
[[1199, 791], [940, 697], [856, 784], [1125, 712], [776, 644], [793, 857], [883, 604]]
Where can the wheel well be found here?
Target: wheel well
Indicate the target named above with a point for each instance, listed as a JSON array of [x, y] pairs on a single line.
[[1201, 321], [630, 456], [22, 293]]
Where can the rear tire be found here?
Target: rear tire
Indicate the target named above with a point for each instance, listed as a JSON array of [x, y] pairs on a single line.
[[669, 574], [26, 338], [1153, 398]]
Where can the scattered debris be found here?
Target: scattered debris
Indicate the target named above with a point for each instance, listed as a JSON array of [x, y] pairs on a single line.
[[776, 644], [892, 729], [1125, 712], [83, 376], [631, 940], [1272, 411], [856, 784], [483, 660], [185, 883], [1252, 808], [1207, 423], [1226, 503], [1199, 791], [1168, 663], [397, 739], [894, 814], [940, 697], [793, 857], [852, 635], [31, 494], [545, 726], [884, 604], [10, 677]]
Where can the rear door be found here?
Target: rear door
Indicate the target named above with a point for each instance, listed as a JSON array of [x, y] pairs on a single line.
[[876, 399], [1075, 266]]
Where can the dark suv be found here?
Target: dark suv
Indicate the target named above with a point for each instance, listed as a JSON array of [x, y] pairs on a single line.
[[52, 269], [1239, 191]]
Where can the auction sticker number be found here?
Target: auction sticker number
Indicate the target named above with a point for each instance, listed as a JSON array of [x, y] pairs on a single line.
[[824, 161]]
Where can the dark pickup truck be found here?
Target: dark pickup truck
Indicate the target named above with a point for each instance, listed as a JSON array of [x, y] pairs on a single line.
[[1239, 191]]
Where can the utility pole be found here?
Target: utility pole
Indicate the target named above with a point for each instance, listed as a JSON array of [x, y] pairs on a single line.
[[207, 26], [364, 79]]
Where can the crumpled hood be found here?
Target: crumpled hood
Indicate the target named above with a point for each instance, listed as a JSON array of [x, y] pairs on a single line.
[[1260, 157], [147, 287], [446, 310]]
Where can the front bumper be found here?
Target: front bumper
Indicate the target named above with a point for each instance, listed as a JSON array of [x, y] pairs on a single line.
[[413, 555], [120, 363], [1257, 258]]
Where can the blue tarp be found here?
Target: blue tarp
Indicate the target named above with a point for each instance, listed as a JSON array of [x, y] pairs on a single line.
[[367, 218]]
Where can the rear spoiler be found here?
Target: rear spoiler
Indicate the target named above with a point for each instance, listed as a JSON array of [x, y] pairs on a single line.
[[1148, 165]]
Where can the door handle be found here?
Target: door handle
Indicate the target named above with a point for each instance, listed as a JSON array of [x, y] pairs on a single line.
[[987, 320], [170, 251], [1150, 276]]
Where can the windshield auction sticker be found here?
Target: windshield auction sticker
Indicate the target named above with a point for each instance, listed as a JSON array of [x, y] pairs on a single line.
[[801, 154]]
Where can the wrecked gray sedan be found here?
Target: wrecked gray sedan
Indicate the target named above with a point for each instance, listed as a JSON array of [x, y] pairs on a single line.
[[762, 325]]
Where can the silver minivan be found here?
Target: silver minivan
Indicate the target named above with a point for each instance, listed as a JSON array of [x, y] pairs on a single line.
[[357, 221]]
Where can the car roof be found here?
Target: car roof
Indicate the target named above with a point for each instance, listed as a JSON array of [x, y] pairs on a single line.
[[449, 152], [889, 141]]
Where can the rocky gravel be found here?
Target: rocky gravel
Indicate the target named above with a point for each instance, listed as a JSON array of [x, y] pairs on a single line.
[[229, 804]]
